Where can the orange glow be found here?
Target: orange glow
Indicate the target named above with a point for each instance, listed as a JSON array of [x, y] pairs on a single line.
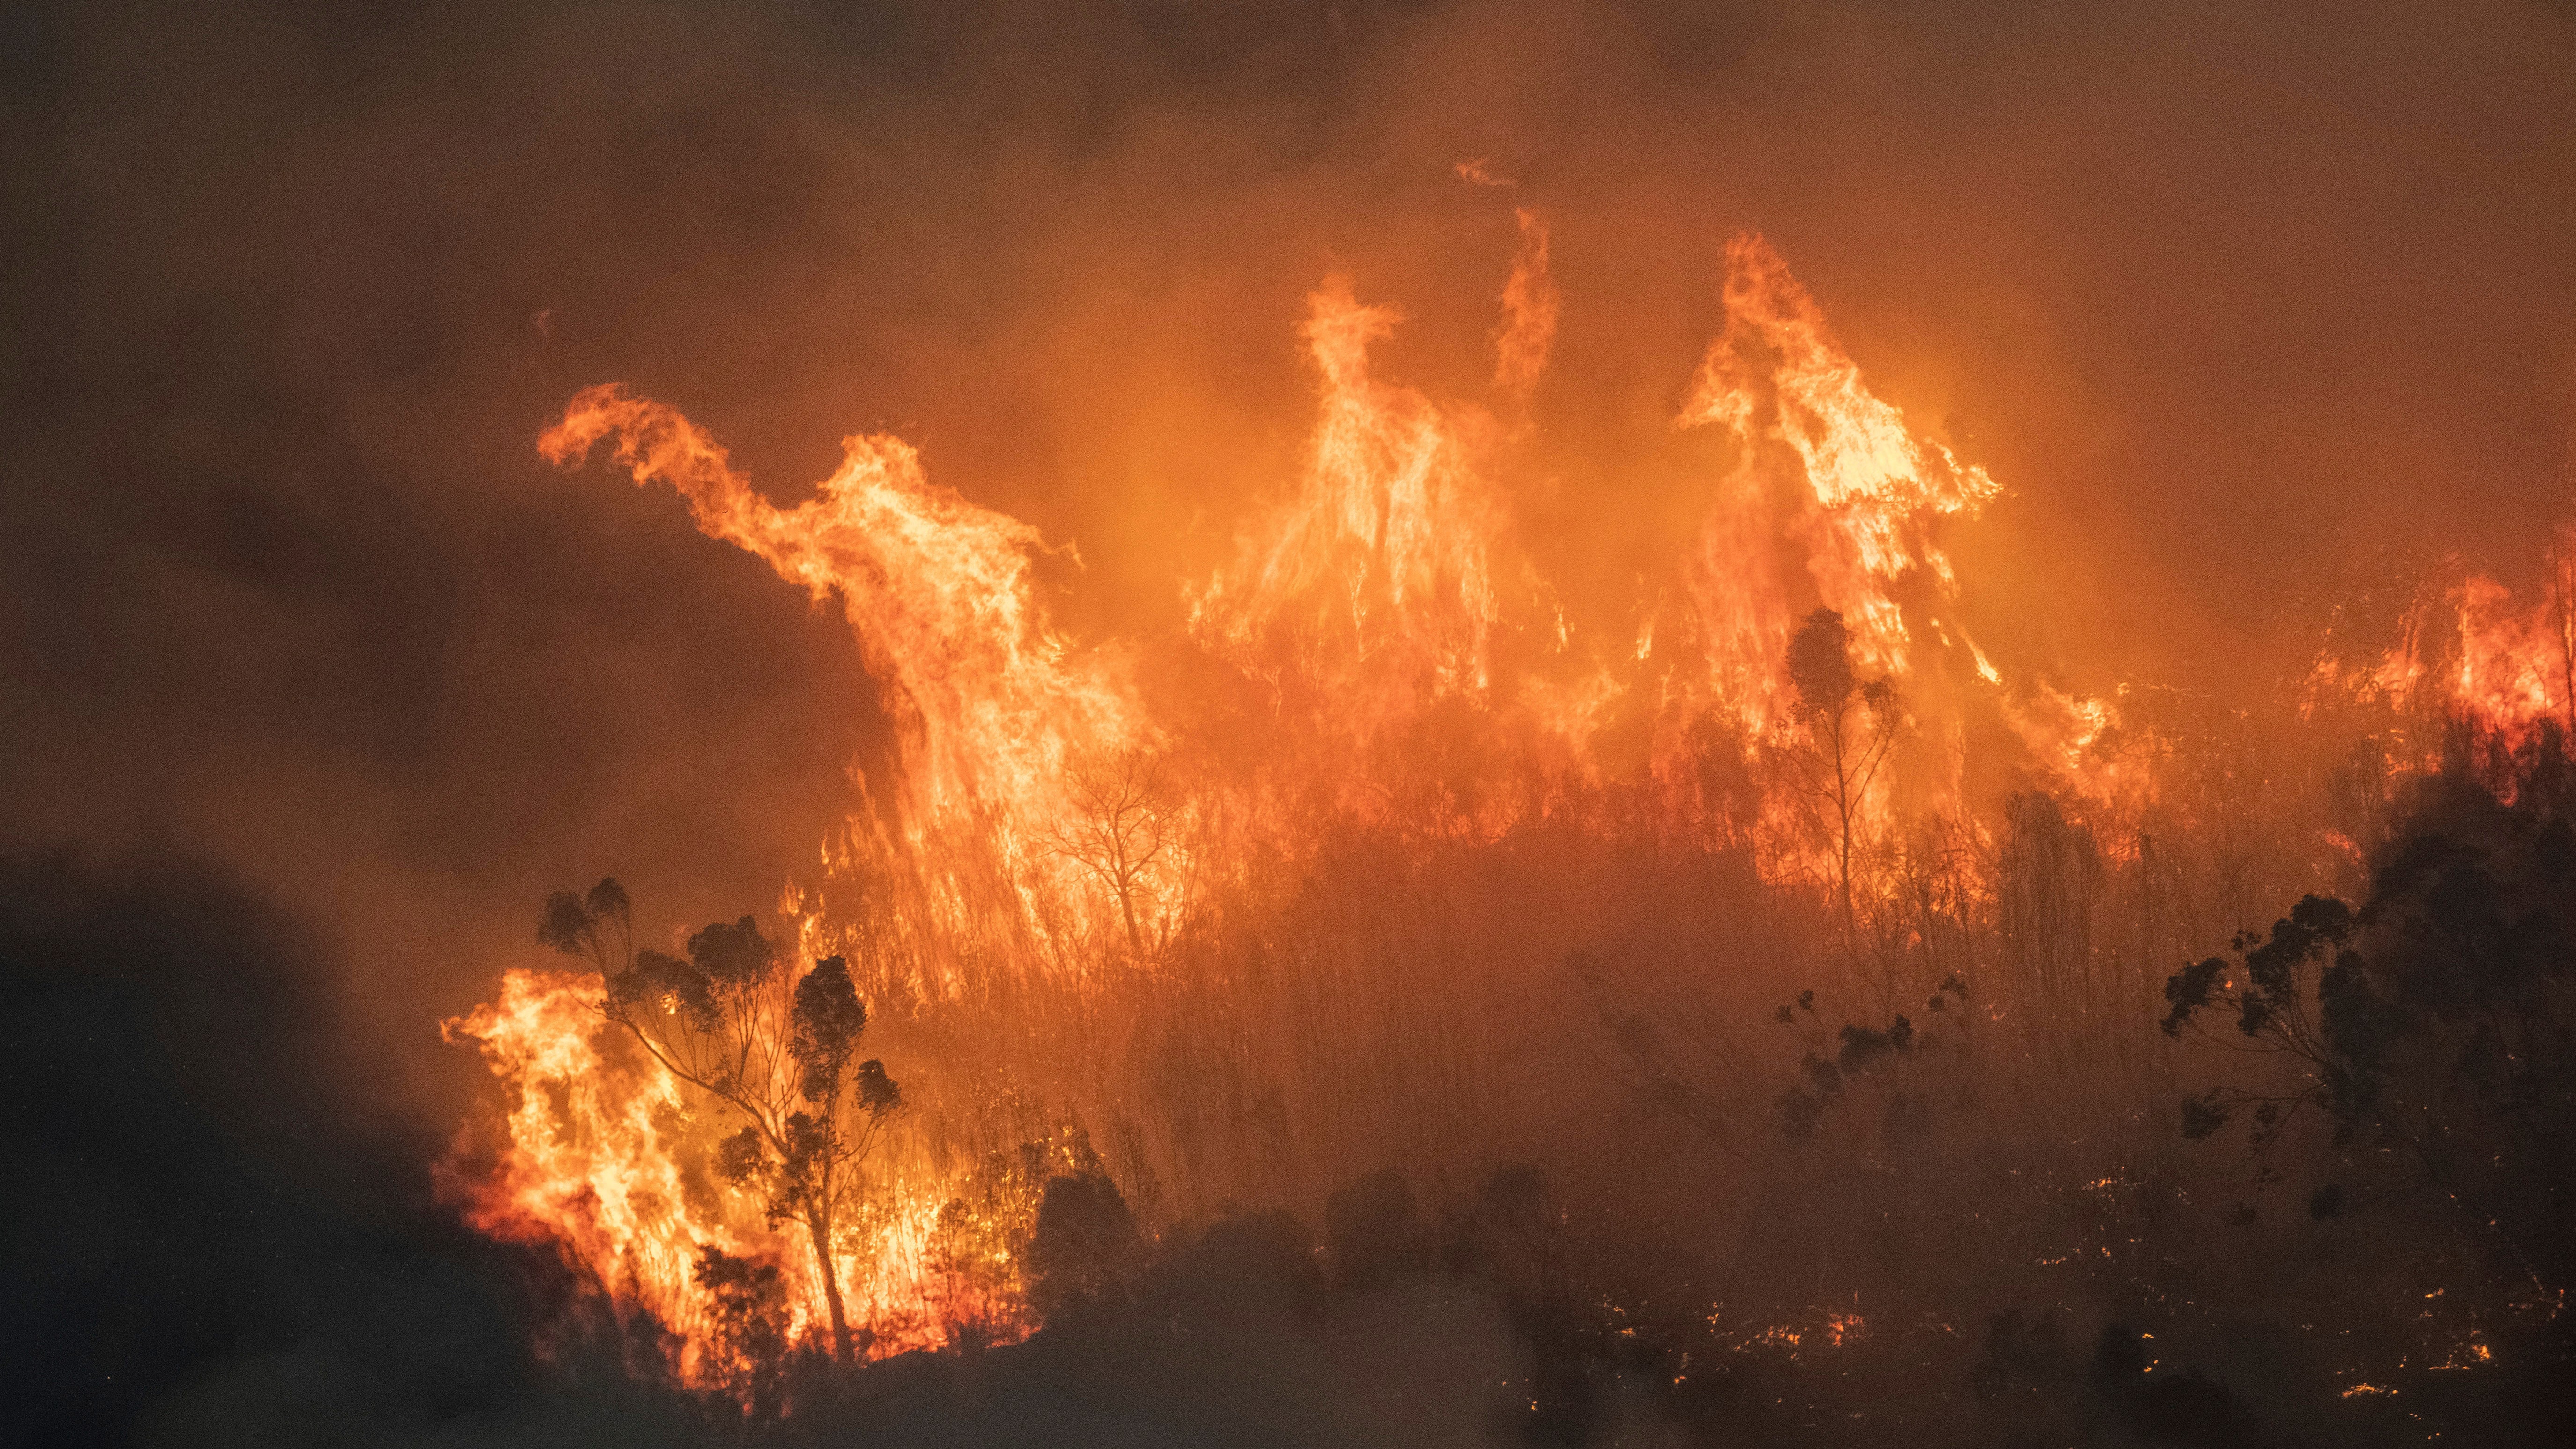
[[993, 708], [606, 1158], [2472, 653], [1373, 584], [1866, 490], [1386, 654]]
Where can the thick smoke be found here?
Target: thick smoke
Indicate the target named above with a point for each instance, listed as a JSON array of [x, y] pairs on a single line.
[[218, 1229], [2222, 297], [2227, 298]]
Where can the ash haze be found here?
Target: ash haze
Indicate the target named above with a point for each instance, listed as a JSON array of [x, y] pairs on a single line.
[[319, 678]]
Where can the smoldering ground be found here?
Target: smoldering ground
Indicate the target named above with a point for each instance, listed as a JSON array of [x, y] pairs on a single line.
[[2221, 294]]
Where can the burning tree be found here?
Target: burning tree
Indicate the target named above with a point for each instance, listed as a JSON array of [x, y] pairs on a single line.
[[1848, 728], [1405, 793], [777, 1049], [1120, 828]]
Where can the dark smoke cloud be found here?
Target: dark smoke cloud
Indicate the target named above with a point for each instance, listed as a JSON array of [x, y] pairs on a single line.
[[218, 1228]]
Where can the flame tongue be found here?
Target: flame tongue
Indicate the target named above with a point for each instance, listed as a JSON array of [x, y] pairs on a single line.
[[1378, 582], [1048, 827], [938, 591], [1864, 492]]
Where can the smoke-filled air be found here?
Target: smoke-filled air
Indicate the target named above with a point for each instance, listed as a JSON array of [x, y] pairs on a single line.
[[1484, 724]]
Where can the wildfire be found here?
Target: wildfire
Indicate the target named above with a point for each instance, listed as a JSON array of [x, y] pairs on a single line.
[[2468, 652], [1867, 491], [1050, 824], [589, 1163], [607, 1159], [993, 707]]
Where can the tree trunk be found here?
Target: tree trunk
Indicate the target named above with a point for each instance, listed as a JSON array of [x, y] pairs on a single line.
[[1135, 938], [821, 1232], [1843, 817]]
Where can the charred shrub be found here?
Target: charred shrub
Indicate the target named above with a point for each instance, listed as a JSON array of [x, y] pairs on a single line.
[[1084, 1247], [746, 1347]]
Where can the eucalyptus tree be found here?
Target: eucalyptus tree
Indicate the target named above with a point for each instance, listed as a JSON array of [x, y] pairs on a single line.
[[776, 1048]]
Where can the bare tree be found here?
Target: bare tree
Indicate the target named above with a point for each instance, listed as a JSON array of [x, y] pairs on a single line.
[[1847, 729], [737, 1023], [2048, 877], [1120, 828]]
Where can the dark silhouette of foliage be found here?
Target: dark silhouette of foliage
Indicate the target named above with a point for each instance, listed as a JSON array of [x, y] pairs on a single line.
[[1376, 1232], [1085, 1245], [1879, 1057], [1848, 727], [1122, 827], [2048, 872], [1243, 1258], [745, 1345], [2433, 1027], [1504, 1234], [1654, 1074]]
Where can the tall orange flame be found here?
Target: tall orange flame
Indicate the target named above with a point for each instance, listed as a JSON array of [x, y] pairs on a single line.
[[1034, 827], [1863, 492], [992, 707]]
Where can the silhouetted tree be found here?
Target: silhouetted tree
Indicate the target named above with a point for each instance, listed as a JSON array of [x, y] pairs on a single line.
[[1376, 1232], [1084, 1246], [2048, 874], [1120, 828], [1884, 1059], [746, 1341], [1847, 729], [1242, 1261], [1643, 1059], [734, 1021], [2437, 1021], [1506, 1237]]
